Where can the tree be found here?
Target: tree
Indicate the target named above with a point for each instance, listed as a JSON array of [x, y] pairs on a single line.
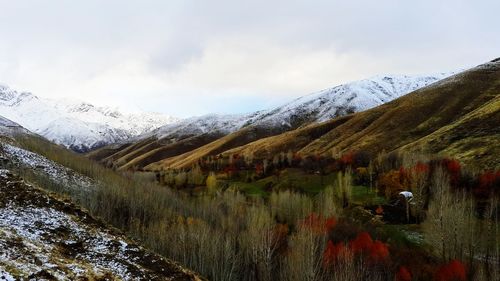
[[304, 261], [450, 226], [379, 251], [195, 176], [362, 243], [418, 177], [212, 183], [403, 274], [276, 161], [452, 271], [329, 202], [344, 187], [265, 165], [289, 158], [181, 179], [390, 183], [261, 243], [249, 158], [333, 252]]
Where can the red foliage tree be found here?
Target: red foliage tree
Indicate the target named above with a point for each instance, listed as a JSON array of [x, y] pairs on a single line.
[[488, 183], [403, 274], [332, 253], [378, 251], [362, 243], [421, 168], [347, 159], [380, 210], [375, 251], [453, 168], [330, 224], [259, 169], [453, 271], [319, 224]]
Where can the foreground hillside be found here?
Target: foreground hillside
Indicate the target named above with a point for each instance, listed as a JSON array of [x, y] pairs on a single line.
[[223, 132], [43, 237], [457, 116]]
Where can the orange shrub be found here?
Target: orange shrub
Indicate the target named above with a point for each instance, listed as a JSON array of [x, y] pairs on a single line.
[[391, 183]]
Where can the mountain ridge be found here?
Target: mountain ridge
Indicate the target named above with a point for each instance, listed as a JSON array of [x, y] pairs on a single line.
[[195, 132], [77, 125]]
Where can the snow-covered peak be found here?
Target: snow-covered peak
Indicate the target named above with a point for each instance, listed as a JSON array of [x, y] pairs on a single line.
[[75, 124], [202, 124], [347, 98]]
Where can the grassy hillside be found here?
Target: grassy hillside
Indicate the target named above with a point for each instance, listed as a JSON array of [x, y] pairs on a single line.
[[242, 137], [458, 116], [453, 116]]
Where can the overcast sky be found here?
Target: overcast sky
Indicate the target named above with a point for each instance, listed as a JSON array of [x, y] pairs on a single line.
[[194, 57]]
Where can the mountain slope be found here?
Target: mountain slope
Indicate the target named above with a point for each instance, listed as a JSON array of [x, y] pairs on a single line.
[[45, 238], [76, 125], [457, 116], [9, 128], [169, 140]]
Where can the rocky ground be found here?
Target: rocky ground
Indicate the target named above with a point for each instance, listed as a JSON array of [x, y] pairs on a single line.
[[43, 237]]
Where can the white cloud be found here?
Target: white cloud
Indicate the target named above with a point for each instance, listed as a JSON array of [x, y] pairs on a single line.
[[195, 57]]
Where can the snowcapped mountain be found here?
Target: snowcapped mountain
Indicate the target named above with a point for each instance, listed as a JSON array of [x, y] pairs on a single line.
[[317, 107], [82, 126], [77, 125]]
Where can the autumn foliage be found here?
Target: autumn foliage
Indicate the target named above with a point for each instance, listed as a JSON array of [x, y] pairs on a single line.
[[453, 271], [362, 243], [378, 251], [333, 252], [488, 183], [391, 183], [453, 168], [347, 159], [421, 168], [403, 274], [319, 224]]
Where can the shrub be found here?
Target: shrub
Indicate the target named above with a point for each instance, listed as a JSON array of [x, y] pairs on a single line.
[[403, 274], [452, 271]]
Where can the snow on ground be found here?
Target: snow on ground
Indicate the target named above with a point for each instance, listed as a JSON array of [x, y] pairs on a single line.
[[64, 176], [100, 255], [4, 275], [44, 238]]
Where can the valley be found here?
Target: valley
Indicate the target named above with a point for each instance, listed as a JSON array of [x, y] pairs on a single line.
[[402, 188]]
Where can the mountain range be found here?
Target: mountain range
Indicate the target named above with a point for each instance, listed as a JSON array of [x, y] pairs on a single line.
[[77, 125], [191, 133], [455, 116], [82, 127]]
